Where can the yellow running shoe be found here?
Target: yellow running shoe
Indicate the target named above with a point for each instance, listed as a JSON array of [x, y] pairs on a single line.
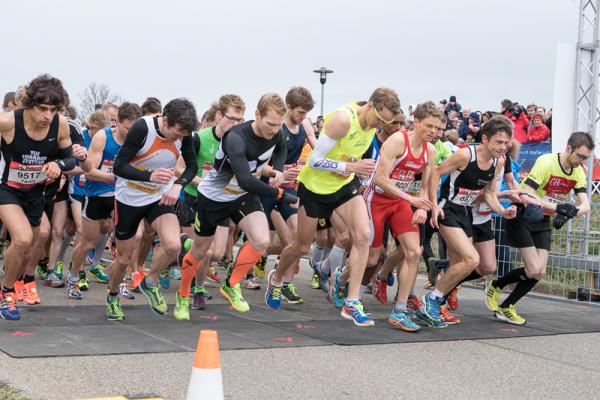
[[510, 315], [492, 297]]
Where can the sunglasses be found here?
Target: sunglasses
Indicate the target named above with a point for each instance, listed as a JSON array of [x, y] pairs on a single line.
[[379, 117]]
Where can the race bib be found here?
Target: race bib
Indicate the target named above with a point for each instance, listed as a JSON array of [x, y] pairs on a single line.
[[414, 189], [146, 187], [466, 197], [484, 209], [107, 166], [24, 177], [82, 180], [205, 170]]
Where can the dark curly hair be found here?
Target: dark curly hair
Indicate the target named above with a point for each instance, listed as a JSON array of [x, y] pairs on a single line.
[[45, 89], [181, 111]]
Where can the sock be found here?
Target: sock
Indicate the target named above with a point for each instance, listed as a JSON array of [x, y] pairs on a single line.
[[246, 258], [471, 277], [361, 291], [28, 278], [513, 276], [326, 251], [8, 290], [112, 295], [435, 294], [188, 271], [349, 301], [73, 278], [317, 254], [63, 246], [149, 282], [199, 289], [334, 260], [99, 250], [400, 307], [187, 244], [522, 288], [82, 274]]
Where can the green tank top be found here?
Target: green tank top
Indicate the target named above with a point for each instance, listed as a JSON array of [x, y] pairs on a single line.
[[209, 145], [350, 148]]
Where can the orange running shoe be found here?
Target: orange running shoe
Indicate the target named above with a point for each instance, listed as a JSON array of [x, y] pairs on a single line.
[[137, 276], [19, 290], [447, 317], [379, 289], [30, 294], [413, 304], [452, 299]]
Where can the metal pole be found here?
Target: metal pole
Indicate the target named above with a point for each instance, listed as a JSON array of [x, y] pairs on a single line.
[[322, 99]]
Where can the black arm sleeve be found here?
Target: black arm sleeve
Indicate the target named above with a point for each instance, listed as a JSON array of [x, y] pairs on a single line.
[[134, 141], [235, 148], [65, 160], [280, 153], [507, 165], [191, 165]]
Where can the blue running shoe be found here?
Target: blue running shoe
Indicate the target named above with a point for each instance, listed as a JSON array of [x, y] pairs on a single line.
[[401, 321], [163, 279], [430, 322], [273, 293], [354, 311], [8, 307], [335, 291], [89, 257], [390, 279], [431, 308]]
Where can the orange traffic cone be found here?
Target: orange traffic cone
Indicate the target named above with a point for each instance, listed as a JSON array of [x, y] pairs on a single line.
[[206, 382]]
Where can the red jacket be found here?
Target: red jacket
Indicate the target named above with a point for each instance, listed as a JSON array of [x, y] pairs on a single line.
[[521, 126], [538, 134]]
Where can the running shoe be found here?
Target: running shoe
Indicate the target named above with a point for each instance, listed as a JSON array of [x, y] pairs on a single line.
[[156, 299], [235, 298], [250, 284], [492, 297], [336, 296], [73, 291], [83, 282], [290, 295], [163, 279], [430, 322], [8, 306], [113, 309], [183, 238], [401, 321], [199, 302], [30, 294], [412, 305], [99, 272], [273, 293], [390, 279], [137, 277], [509, 314], [314, 282], [181, 312], [453, 299], [379, 288], [447, 317], [354, 311], [431, 307], [42, 271], [175, 274], [212, 275], [89, 257], [260, 267], [54, 280], [125, 291], [19, 290]]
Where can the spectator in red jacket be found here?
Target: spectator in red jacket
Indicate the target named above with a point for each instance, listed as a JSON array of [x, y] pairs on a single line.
[[519, 118], [538, 132]]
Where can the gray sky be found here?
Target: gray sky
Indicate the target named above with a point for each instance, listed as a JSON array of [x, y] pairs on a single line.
[[480, 51]]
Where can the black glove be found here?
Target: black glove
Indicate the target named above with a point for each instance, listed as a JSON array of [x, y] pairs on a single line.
[[289, 198], [559, 221], [568, 210]]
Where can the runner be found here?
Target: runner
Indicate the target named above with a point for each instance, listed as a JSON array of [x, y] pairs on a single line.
[[146, 189], [403, 157], [472, 171], [36, 147], [231, 190], [328, 183], [206, 144], [551, 179], [99, 201]]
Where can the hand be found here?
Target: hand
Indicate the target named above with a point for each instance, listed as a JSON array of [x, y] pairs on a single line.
[[510, 212], [364, 167], [51, 170], [79, 152], [362, 189], [568, 210], [171, 196], [419, 217], [291, 174], [161, 175], [559, 221], [419, 202], [278, 179], [436, 213]]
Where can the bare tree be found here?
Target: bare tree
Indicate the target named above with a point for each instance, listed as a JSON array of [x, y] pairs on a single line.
[[93, 95]]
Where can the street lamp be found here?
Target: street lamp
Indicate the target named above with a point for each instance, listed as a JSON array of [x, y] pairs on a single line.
[[323, 78]]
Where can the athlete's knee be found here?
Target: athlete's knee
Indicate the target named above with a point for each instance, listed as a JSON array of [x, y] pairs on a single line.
[[472, 260], [486, 267], [22, 243], [361, 237], [260, 244], [44, 232], [122, 260], [413, 254]]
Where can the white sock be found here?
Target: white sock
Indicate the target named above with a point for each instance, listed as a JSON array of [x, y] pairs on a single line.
[[361, 291], [317, 254], [334, 260], [99, 250], [435, 294], [400, 307], [63, 246]]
